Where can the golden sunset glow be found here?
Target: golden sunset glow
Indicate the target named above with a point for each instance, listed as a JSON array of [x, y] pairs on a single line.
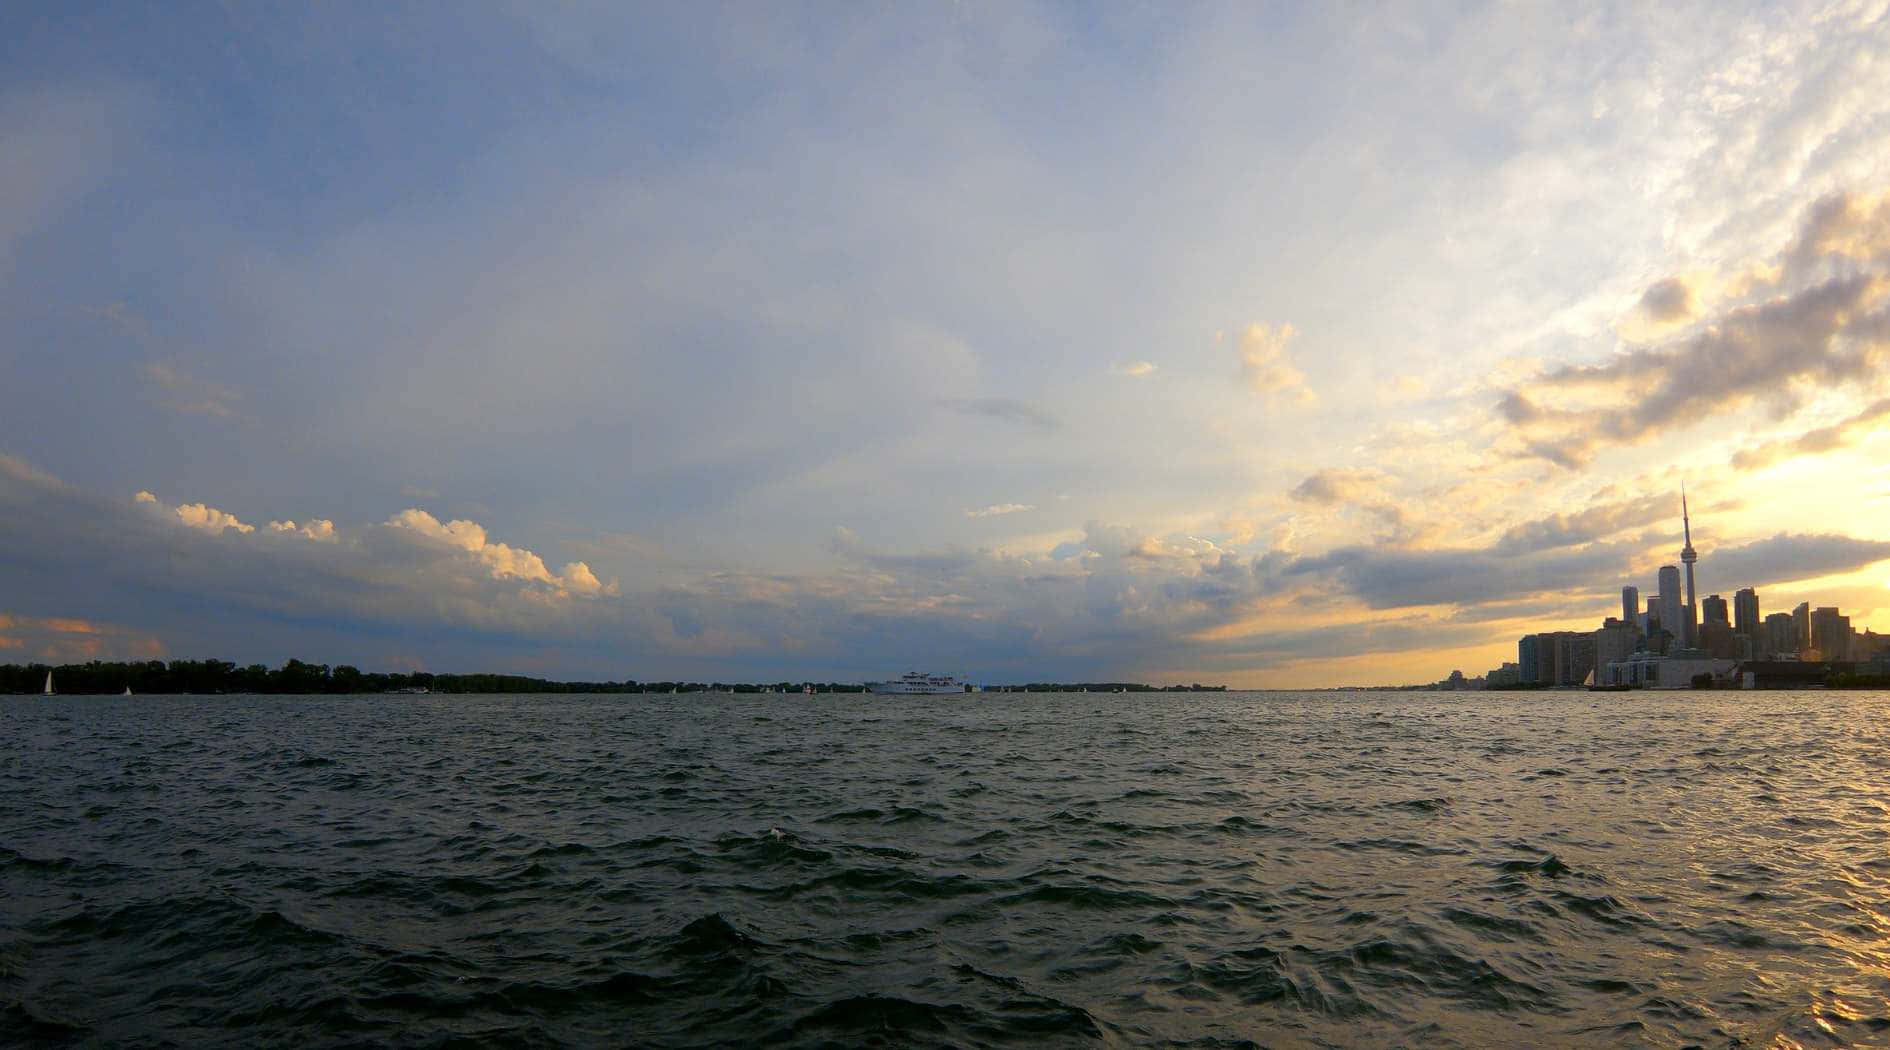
[[968, 352]]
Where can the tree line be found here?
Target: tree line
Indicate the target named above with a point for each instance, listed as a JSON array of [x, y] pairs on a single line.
[[294, 676]]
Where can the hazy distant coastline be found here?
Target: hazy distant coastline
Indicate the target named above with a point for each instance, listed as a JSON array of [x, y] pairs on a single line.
[[296, 677]]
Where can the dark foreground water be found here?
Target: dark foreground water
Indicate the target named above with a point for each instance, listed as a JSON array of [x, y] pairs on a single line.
[[999, 870]]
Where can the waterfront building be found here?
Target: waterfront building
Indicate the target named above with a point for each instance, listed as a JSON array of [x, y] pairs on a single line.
[[1630, 603], [1529, 654], [1870, 646], [1780, 636], [1614, 642], [1831, 633], [1555, 658], [1746, 614], [1718, 639], [1645, 671], [1801, 627], [1575, 656]]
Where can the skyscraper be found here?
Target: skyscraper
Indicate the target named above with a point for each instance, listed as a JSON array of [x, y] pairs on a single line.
[[1529, 653], [1713, 610], [1672, 612], [1781, 635], [1613, 643], [1688, 556], [1630, 603], [1746, 612], [1801, 626], [1831, 633]]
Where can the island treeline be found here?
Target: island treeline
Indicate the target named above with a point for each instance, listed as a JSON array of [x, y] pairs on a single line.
[[294, 676]]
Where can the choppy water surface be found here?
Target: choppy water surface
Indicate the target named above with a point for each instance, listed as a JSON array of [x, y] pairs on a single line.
[[998, 870]]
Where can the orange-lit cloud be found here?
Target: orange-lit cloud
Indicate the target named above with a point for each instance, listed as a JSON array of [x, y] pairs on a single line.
[[503, 560], [210, 519], [66, 639]]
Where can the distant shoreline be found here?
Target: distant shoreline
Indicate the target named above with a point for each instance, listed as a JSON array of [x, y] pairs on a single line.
[[294, 677]]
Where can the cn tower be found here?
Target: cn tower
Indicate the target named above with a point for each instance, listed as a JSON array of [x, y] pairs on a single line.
[[1688, 556]]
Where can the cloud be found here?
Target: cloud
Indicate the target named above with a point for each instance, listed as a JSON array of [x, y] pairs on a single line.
[[65, 639], [1391, 578], [996, 509], [317, 529], [1584, 526], [1668, 301], [1829, 328], [1003, 409], [1265, 366], [1134, 369], [209, 519], [1362, 488], [1787, 557], [1121, 600], [1336, 485], [503, 560], [190, 395], [1820, 439]]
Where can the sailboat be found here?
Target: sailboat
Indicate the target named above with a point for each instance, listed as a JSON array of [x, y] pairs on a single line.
[[127, 691], [48, 690]]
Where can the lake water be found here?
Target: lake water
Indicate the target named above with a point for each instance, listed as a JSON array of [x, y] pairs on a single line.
[[1220, 870]]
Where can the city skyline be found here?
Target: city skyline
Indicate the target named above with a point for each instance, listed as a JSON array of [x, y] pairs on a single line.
[[663, 344], [1683, 641]]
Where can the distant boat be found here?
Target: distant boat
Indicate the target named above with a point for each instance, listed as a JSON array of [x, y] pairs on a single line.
[[48, 690], [127, 691], [916, 682]]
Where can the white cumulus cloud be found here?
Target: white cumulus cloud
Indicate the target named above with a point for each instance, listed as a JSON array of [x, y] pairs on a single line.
[[502, 560], [210, 519], [315, 529]]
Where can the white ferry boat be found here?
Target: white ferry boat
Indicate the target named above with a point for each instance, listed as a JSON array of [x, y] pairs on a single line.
[[915, 682]]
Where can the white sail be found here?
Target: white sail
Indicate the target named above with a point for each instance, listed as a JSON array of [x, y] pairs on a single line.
[[48, 690]]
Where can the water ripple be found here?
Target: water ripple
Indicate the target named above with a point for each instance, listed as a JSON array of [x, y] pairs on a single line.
[[1238, 870]]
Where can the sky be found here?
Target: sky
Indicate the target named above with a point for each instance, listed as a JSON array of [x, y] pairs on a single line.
[[1265, 346]]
